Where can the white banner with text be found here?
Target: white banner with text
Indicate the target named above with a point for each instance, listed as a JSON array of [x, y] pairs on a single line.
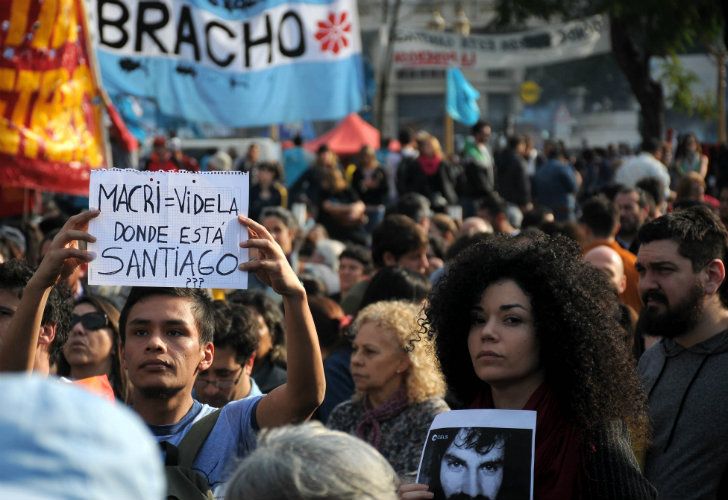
[[534, 47]]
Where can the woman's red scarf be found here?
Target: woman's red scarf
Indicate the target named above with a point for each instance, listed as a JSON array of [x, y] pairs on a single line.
[[558, 445], [429, 165]]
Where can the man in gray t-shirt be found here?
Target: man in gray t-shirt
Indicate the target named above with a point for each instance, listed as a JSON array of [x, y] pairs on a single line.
[[683, 287]]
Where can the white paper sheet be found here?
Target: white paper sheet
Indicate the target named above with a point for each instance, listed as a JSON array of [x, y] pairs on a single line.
[[486, 453], [168, 229]]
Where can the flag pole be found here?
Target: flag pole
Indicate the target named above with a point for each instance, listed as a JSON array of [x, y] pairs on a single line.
[[96, 72], [449, 134]]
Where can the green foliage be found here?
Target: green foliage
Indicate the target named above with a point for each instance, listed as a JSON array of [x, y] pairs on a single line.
[[678, 82], [640, 29]]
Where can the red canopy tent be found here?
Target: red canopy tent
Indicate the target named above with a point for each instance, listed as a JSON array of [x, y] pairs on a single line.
[[347, 138]]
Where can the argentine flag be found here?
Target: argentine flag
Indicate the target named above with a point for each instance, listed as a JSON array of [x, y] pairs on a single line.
[[237, 63]]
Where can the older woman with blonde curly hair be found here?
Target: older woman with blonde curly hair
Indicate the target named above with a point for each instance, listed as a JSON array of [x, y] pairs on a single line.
[[399, 386]]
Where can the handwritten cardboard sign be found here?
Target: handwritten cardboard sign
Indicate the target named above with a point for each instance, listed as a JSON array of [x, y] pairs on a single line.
[[171, 229]]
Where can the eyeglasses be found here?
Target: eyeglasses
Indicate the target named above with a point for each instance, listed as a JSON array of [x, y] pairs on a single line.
[[91, 321], [223, 383]]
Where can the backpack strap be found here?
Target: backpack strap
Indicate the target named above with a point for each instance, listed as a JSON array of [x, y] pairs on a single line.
[[195, 438]]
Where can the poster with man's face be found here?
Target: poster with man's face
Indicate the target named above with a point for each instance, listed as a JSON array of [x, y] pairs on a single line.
[[480, 454]]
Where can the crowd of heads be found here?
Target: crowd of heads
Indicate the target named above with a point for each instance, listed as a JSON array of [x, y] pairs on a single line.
[[416, 278]]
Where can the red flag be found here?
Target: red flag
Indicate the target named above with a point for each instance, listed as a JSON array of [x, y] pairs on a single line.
[[50, 101]]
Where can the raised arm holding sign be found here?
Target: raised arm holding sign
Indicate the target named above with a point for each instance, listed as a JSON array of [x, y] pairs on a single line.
[[18, 349]]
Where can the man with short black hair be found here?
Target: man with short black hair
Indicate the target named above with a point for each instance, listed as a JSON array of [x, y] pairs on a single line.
[[512, 181], [407, 151], [633, 209], [494, 210], [415, 206], [396, 241], [355, 264], [399, 241], [54, 325], [236, 340], [472, 467], [681, 262], [478, 160], [600, 223], [556, 183]]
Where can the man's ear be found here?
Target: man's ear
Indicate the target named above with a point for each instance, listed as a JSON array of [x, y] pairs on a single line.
[[248, 366], [622, 284], [47, 334], [208, 354], [714, 275], [389, 259]]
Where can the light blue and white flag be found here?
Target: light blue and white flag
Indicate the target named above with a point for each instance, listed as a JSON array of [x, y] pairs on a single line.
[[462, 98], [238, 63]]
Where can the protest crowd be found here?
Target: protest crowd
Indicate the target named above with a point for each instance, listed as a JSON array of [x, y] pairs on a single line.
[[385, 289]]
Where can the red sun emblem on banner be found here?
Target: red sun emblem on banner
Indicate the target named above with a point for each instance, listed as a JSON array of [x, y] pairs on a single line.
[[332, 32]]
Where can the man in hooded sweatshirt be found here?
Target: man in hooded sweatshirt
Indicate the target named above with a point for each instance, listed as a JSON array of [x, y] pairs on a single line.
[[681, 263]]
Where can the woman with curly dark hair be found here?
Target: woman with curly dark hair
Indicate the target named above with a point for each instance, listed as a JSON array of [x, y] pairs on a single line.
[[523, 323]]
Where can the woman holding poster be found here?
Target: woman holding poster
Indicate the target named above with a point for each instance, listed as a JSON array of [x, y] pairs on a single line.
[[398, 386], [523, 324]]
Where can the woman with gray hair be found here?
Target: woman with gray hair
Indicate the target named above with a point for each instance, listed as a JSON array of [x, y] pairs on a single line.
[[310, 462]]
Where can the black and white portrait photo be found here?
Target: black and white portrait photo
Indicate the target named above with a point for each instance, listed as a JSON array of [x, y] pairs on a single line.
[[483, 463]]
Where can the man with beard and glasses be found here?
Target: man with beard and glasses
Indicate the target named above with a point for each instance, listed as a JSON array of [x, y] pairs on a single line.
[[681, 262], [235, 340]]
